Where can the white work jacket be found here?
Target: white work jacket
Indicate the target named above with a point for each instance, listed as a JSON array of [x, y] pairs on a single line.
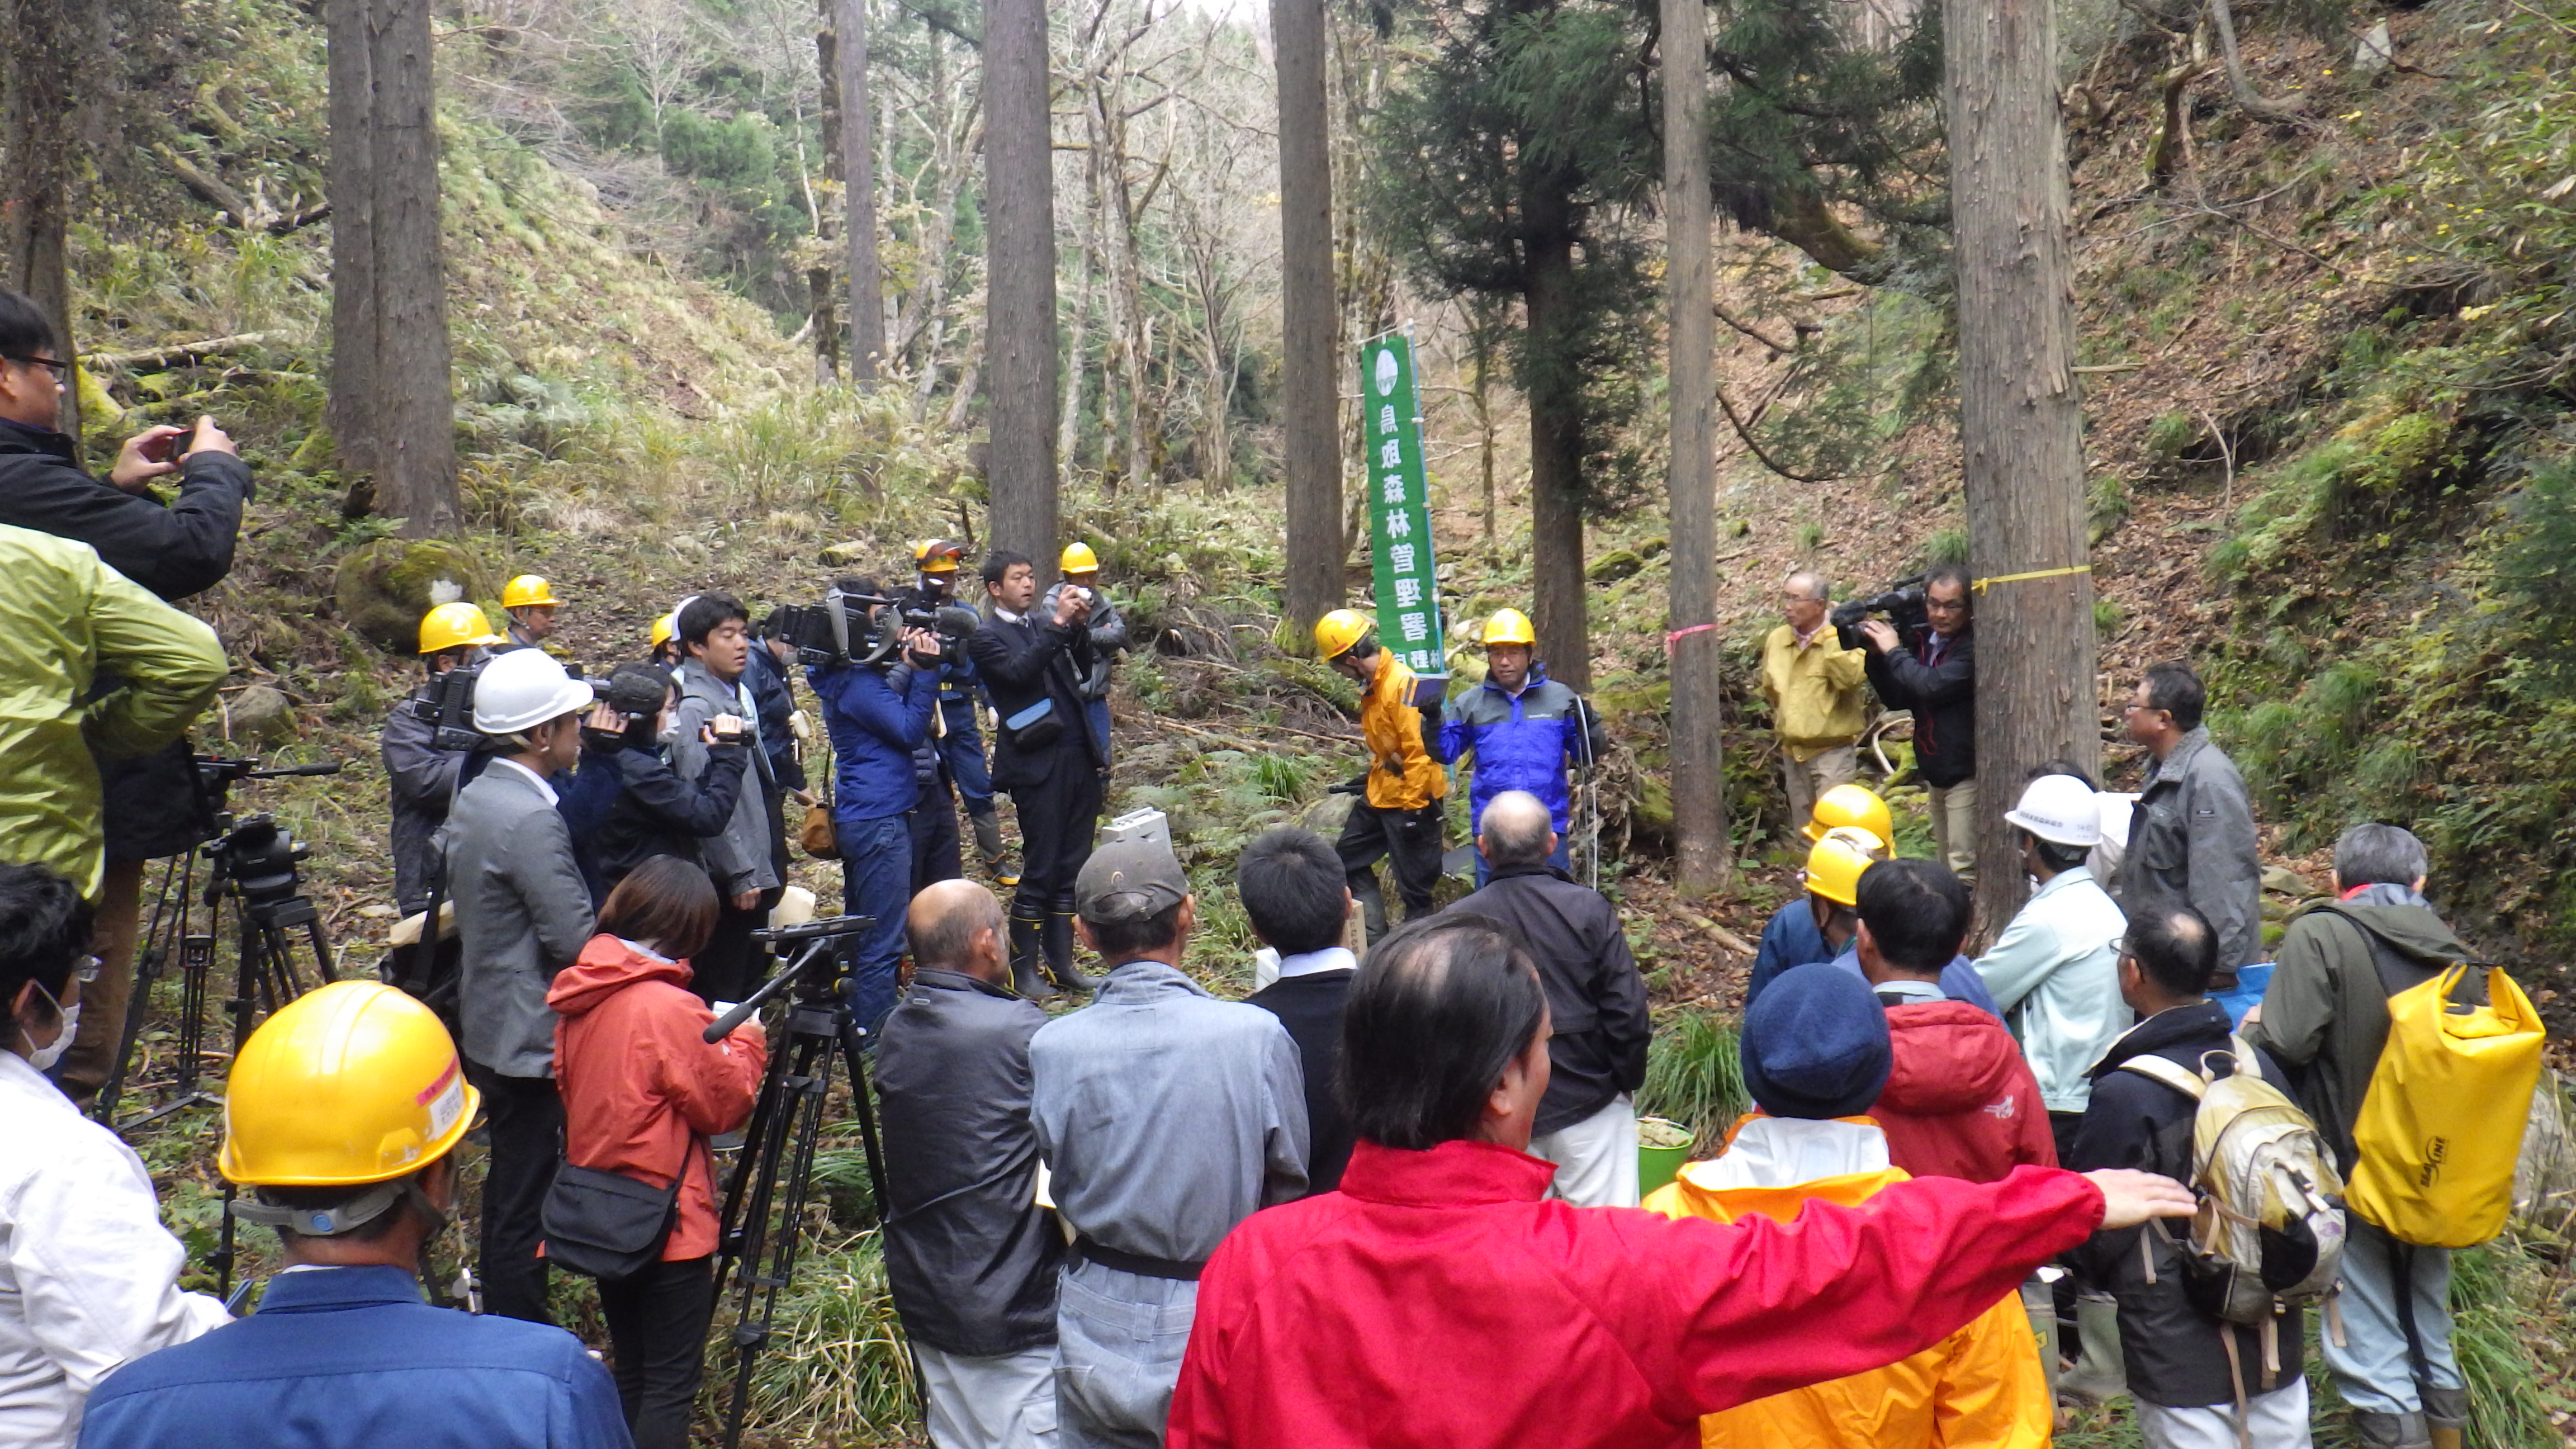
[[89, 1279]]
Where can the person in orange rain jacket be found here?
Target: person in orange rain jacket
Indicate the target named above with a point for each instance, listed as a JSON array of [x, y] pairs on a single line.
[[1816, 1052], [643, 1090]]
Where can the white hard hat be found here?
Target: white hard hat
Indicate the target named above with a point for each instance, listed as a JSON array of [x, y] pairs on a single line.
[[523, 689], [2061, 810]]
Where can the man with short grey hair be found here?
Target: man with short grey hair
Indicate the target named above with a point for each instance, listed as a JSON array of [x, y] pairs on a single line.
[[1814, 686], [1596, 1001], [1167, 1117], [2325, 1016]]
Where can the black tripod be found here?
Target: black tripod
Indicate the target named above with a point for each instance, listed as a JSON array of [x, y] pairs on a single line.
[[250, 863], [764, 1207]]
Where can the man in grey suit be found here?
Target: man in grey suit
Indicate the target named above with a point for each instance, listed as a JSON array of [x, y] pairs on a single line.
[[747, 861], [522, 914]]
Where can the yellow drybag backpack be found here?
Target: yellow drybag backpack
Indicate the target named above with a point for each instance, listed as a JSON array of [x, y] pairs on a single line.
[[2442, 1122]]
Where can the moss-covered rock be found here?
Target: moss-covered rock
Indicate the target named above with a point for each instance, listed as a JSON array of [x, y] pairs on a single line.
[[383, 588]]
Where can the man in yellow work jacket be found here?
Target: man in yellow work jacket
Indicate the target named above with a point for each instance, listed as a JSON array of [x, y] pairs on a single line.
[[1397, 814], [1815, 1053], [1814, 685]]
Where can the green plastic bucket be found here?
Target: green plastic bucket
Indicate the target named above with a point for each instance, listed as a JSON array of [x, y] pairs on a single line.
[[1662, 1148]]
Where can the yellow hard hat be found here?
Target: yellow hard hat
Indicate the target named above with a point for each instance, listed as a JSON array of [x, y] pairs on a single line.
[[1509, 626], [1079, 559], [1337, 631], [1850, 805], [453, 626], [527, 591], [1835, 863], [665, 627], [348, 1084], [936, 556]]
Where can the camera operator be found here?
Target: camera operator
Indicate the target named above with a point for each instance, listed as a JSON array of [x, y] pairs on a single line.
[[422, 778], [1033, 664], [957, 738], [1107, 627], [1928, 665], [1812, 680], [652, 810], [743, 860], [154, 806], [877, 714], [522, 914]]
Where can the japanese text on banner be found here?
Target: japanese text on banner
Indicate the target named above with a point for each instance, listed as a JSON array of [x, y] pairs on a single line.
[[1408, 591]]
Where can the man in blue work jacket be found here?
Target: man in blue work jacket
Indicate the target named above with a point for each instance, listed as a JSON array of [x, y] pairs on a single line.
[[877, 712], [1525, 730], [354, 1094], [956, 735]]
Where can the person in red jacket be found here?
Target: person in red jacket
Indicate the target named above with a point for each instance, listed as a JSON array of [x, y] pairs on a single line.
[[1961, 1101], [642, 1092], [1440, 1298]]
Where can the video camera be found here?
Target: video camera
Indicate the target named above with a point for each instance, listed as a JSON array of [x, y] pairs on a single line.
[[847, 627], [449, 705], [1901, 602]]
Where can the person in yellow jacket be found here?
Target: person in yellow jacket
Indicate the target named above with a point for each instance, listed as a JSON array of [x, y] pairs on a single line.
[[65, 620], [1397, 814], [1815, 1054], [1815, 687]]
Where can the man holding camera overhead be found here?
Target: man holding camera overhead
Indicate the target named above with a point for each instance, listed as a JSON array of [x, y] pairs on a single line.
[[1927, 663], [1033, 662], [1813, 684], [877, 710], [153, 804]]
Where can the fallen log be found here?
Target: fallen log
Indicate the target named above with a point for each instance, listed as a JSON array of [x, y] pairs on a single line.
[[175, 353]]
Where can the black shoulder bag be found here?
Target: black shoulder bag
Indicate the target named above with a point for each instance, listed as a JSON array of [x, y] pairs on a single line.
[[607, 1225]]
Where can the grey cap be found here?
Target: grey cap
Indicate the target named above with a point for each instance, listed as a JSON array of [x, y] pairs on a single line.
[[1129, 880]]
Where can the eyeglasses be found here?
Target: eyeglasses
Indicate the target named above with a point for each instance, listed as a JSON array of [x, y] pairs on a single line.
[[61, 370], [88, 969]]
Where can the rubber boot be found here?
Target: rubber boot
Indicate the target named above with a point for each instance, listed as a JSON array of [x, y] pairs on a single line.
[[1059, 955], [2098, 1376], [988, 839], [1372, 899], [1026, 951], [2446, 1416], [2390, 1431]]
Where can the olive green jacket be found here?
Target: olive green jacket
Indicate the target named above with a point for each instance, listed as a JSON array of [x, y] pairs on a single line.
[[66, 619]]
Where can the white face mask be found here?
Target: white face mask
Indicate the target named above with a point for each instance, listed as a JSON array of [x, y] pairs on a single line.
[[670, 729], [43, 1058]]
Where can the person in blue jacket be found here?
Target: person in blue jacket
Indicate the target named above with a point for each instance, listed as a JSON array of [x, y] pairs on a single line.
[[1525, 730], [342, 1117], [957, 736], [877, 714]]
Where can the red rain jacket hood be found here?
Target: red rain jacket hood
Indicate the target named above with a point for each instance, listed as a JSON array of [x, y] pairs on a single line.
[[1959, 1100]]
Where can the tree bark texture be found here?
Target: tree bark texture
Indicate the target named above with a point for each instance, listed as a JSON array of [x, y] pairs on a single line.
[[1310, 365], [822, 289], [1698, 752], [1019, 340], [40, 65], [859, 187], [2021, 422], [1559, 609], [392, 407]]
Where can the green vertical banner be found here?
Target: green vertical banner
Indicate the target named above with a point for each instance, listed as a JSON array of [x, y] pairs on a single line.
[[1408, 588]]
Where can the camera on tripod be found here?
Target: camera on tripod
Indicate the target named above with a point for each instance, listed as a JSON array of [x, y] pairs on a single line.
[[851, 627], [258, 855], [1901, 602]]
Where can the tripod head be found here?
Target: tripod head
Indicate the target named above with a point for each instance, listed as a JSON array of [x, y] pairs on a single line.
[[813, 972]]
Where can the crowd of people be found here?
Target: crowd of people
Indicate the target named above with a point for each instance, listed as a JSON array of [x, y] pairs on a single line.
[[1393, 1197]]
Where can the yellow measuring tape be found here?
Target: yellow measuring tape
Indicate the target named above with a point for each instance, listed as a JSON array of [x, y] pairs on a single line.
[[2082, 568]]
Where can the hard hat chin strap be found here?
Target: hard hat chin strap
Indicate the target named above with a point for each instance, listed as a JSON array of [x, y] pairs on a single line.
[[347, 1217]]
